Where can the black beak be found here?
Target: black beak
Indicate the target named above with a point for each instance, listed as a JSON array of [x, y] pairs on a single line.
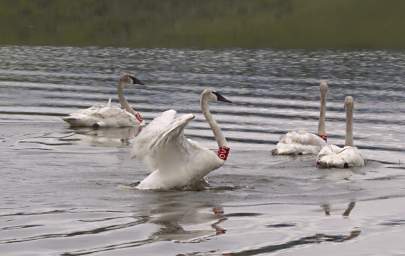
[[221, 98], [136, 80]]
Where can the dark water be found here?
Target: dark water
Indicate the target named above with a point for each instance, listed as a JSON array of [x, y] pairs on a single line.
[[70, 192]]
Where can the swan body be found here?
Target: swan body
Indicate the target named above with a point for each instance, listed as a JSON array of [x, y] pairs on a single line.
[[101, 116], [334, 156], [346, 157], [301, 142], [174, 160]]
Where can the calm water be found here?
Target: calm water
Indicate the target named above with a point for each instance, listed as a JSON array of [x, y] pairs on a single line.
[[70, 192]]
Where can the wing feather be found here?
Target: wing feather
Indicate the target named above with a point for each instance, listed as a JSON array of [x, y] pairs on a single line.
[[299, 142], [103, 115], [142, 142], [168, 148], [174, 133]]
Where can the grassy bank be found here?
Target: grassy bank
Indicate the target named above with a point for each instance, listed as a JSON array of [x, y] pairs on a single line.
[[205, 23]]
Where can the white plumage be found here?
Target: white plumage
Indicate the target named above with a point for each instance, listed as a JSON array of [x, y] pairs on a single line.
[[301, 142], [174, 160], [334, 156], [108, 115], [346, 157], [103, 116]]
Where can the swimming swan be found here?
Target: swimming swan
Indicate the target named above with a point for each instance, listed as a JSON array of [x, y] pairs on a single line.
[[174, 160], [302, 143], [108, 115], [348, 156]]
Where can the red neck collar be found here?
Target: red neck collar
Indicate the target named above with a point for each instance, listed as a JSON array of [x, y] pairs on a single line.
[[223, 152]]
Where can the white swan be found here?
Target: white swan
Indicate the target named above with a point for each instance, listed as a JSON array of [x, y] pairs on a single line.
[[108, 115], [348, 156], [174, 160], [301, 142]]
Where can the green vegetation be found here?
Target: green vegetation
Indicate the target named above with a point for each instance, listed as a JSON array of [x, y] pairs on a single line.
[[205, 23]]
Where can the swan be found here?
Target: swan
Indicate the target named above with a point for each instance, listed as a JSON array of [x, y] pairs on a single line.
[[348, 156], [175, 161], [301, 142], [107, 115]]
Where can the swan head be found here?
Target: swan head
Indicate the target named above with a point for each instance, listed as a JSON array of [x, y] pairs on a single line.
[[349, 102], [130, 79], [214, 96], [323, 86]]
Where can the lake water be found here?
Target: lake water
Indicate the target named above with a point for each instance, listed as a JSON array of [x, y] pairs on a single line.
[[70, 192]]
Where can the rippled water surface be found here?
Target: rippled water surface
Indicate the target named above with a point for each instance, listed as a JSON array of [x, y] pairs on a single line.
[[71, 192]]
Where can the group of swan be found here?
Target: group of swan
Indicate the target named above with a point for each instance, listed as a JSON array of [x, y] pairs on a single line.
[[175, 161], [300, 143]]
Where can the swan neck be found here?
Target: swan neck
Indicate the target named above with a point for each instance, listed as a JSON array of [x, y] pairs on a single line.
[[322, 113], [123, 101], [219, 137], [349, 126]]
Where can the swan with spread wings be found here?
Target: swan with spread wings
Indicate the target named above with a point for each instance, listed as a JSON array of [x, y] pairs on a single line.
[[174, 160]]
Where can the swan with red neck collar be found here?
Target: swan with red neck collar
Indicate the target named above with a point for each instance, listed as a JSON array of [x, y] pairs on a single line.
[[301, 142], [100, 116], [174, 160]]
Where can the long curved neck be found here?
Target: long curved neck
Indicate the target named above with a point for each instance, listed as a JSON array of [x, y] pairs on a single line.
[[219, 137], [349, 125], [124, 103], [321, 124]]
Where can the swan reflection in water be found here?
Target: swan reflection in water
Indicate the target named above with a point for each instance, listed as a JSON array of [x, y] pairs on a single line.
[[305, 240], [327, 209], [219, 212], [186, 219], [103, 137], [173, 225]]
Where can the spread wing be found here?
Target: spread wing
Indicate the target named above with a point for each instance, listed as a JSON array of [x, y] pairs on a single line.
[[142, 143], [170, 151], [173, 134], [163, 142]]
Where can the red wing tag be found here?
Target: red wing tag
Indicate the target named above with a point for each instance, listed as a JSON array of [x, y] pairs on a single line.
[[223, 152], [324, 137], [139, 117]]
